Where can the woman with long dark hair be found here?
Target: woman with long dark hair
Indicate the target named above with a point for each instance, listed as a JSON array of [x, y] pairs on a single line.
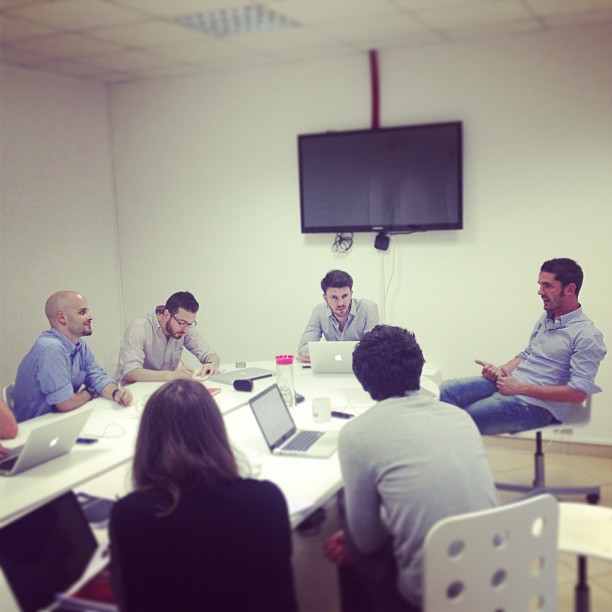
[[194, 535]]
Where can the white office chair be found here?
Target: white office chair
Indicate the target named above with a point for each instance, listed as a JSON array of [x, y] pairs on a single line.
[[499, 559], [578, 415], [8, 394]]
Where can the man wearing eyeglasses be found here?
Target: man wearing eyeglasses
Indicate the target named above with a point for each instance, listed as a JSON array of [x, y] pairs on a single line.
[[153, 343]]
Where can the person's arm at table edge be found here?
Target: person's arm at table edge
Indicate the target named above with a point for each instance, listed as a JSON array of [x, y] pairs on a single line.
[[119, 395], [210, 365], [146, 375], [312, 333], [8, 423], [372, 318], [76, 401]]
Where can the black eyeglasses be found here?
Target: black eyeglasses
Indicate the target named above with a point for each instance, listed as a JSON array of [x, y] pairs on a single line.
[[184, 323]]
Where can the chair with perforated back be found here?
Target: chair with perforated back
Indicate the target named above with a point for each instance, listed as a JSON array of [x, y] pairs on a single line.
[[578, 415], [503, 558], [8, 394]]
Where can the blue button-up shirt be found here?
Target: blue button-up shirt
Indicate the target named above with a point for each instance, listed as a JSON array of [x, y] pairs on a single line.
[[363, 316], [566, 351], [52, 372]]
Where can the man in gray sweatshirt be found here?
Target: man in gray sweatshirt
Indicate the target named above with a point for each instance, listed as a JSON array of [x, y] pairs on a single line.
[[408, 462]]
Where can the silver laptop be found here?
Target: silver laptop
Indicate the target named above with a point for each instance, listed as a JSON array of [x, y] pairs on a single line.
[[228, 378], [281, 434], [332, 357], [50, 440]]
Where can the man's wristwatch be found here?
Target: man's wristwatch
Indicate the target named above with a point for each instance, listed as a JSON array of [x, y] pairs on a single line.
[[115, 391]]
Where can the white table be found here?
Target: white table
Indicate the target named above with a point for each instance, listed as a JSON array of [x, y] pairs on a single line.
[[307, 483], [585, 530], [117, 427]]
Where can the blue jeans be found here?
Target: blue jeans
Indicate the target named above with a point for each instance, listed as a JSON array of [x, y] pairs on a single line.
[[493, 412]]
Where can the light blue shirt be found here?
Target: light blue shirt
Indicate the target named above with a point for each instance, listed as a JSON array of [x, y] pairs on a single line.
[[52, 372], [567, 351], [363, 316]]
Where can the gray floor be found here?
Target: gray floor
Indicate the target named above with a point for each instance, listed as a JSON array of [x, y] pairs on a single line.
[[316, 578]]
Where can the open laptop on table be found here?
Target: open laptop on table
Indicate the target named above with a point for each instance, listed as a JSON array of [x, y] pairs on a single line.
[[46, 551], [281, 434], [49, 440], [228, 378], [332, 357]]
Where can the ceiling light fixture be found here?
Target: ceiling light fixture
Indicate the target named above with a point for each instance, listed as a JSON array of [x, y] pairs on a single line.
[[236, 21]]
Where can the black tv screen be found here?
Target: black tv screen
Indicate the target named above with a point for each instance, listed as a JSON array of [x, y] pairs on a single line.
[[398, 179]]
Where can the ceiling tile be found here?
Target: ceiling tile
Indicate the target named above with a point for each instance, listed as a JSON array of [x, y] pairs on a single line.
[[172, 8], [113, 76], [317, 11], [323, 51], [409, 39], [75, 14], [10, 55], [12, 29], [377, 27], [66, 45], [13, 3], [299, 38], [474, 14], [497, 30], [585, 17], [128, 60], [142, 39], [412, 5], [147, 34], [164, 71], [68, 67], [546, 8], [203, 50], [248, 61]]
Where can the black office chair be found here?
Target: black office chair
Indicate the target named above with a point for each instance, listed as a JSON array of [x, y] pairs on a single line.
[[578, 415]]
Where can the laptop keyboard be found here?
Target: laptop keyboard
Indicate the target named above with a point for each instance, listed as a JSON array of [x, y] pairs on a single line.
[[303, 441]]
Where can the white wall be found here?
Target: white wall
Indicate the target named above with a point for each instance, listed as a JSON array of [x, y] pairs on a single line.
[[207, 197], [208, 194], [57, 224]]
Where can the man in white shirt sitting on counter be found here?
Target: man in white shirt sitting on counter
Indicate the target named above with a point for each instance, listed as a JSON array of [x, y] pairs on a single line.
[[153, 343], [340, 317], [407, 463]]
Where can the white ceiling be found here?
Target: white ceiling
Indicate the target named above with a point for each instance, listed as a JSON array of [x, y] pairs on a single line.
[[125, 40]]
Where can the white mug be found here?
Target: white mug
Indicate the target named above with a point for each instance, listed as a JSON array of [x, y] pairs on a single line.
[[321, 409]]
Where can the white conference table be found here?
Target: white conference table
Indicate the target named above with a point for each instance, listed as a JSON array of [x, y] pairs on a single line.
[[117, 426], [306, 483]]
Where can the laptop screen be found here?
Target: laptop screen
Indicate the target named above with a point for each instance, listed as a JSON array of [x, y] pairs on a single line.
[[272, 416], [46, 551]]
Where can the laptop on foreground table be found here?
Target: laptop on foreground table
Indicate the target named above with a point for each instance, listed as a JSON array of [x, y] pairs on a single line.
[[281, 434], [49, 440], [46, 551], [228, 378], [332, 357]]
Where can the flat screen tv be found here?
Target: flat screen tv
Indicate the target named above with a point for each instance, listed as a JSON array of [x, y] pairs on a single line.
[[399, 179]]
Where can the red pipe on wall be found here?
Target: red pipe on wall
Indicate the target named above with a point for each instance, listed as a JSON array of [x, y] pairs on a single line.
[[375, 89]]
